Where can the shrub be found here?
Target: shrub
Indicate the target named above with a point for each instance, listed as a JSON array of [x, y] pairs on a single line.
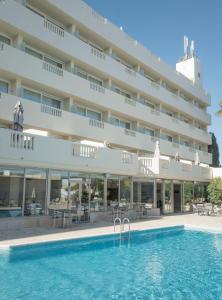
[[215, 190]]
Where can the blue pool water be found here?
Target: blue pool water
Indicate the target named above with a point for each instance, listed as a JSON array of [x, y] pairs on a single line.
[[161, 264]]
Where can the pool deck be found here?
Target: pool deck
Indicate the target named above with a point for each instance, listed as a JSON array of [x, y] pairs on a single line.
[[23, 236]]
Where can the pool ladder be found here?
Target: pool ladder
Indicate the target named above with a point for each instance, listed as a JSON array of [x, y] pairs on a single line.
[[122, 225]]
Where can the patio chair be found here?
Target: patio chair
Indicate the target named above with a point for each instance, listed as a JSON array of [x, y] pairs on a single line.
[[195, 209]]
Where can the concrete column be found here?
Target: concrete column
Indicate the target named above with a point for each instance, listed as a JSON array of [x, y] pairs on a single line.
[[108, 83], [155, 193], [172, 197], [70, 66], [16, 87], [18, 41], [68, 103], [131, 192], [72, 29], [106, 116], [163, 196], [139, 192], [105, 192], [48, 191], [23, 195], [182, 196], [109, 51]]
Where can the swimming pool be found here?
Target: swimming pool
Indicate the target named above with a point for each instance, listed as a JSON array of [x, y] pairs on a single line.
[[159, 264]]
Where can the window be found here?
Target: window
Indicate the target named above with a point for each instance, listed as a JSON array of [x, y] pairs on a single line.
[[166, 137], [5, 40], [80, 110], [120, 123], [47, 100], [31, 95], [147, 131], [33, 53], [3, 87], [95, 80], [53, 62], [93, 115]]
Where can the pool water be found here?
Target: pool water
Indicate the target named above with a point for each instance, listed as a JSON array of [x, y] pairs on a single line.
[[160, 264]]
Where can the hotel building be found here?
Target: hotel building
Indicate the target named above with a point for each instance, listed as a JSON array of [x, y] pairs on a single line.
[[97, 105]]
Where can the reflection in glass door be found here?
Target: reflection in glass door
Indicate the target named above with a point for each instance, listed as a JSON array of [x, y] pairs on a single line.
[[75, 192]]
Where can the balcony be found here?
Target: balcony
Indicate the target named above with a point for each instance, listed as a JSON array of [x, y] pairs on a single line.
[[83, 14], [22, 149], [60, 39], [166, 169], [30, 68], [66, 123]]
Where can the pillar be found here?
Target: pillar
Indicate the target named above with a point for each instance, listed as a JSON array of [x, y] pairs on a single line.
[[131, 192], [105, 192], [18, 41], [163, 196], [48, 191], [16, 87], [155, 193], [172, 196], [23, 195], [139, 192], [70, 66]]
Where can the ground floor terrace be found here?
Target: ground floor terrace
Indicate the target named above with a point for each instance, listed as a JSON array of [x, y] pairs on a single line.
[[35, 192], [30, 235]]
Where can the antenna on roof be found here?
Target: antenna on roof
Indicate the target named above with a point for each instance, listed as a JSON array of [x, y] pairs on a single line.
[[192, 49], [185, 39]]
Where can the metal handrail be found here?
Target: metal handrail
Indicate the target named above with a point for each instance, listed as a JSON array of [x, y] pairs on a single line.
[[114, 223], [123, 223]]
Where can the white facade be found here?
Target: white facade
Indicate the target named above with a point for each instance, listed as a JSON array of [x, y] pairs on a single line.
[[79, 77]]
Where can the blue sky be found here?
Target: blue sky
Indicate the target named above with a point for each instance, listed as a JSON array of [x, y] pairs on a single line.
[[161, 25]]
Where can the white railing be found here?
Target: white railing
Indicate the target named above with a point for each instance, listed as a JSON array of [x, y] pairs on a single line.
[[175, 120], [165, 164], [145, 165], [97, 87], [127, 158], [51, 110], [96, 123], [97, 53], [84, 151], [130, 132], [130, 101], [53, 69], [54, 28], [130, 71], [21, 141]]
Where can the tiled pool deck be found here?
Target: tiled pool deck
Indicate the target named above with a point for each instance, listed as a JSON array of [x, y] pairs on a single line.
[[9, 237]]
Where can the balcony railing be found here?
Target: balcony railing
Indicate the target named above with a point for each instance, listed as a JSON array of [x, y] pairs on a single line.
[[145, 166], [21, 141], [51, 110], [97, 53], [130, 132], [130, 101], [54, 28], [51, 68], [127, 158], [96, 123], [97, 87], [84, 151]]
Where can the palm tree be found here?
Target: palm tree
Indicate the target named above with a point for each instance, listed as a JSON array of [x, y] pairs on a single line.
[[219, 112]]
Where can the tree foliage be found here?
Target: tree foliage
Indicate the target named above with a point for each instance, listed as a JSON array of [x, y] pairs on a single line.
[[215, 190], [219, 112], [214, 149]]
